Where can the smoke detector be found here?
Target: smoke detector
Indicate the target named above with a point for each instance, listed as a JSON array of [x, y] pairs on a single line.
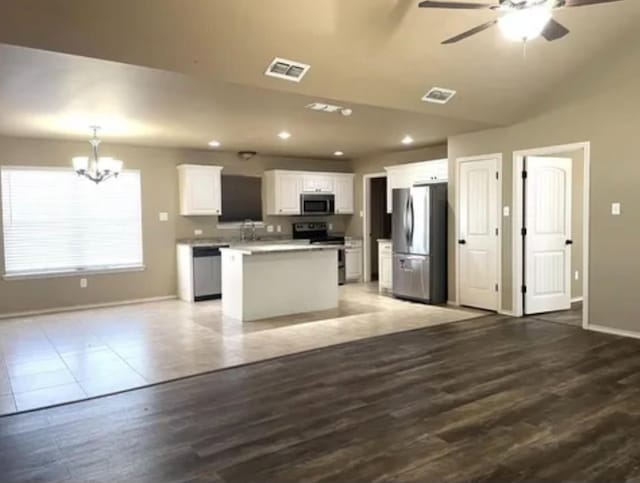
[[287, 69], [439, 95], [246, 155]]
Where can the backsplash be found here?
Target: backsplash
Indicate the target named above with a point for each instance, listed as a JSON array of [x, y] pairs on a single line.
[[186, 226]]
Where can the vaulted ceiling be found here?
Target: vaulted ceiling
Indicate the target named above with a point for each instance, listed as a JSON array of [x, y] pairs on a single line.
[[194, 70]]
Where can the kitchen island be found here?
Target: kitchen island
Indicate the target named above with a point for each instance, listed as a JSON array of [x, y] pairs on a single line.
[[265, 281]]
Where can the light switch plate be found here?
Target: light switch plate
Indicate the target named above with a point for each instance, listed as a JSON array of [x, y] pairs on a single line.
[[278, 228], [330, 226], [83, 283], [615, 209], [163, 216], [506, 211], [270, 228], [197, 232]]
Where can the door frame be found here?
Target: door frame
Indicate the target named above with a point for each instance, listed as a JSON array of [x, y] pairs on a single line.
[[517, 248], [366, 221], [458, 164]]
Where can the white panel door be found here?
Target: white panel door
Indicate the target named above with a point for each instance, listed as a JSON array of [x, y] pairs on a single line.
[[548, 233], [478, 234]]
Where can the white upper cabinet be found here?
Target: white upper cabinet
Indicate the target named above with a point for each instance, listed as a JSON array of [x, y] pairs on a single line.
[[408, 175], [344, 193], [200, 190], [283, 189], [318, 183], [282, 192]]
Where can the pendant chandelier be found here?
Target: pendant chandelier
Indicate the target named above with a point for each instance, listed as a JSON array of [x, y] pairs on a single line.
[[96, 168]]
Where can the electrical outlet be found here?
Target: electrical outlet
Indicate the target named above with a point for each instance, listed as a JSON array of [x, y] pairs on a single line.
[[615, 209], [83, 283], [361, 214], [197, 232], [505, 211], [269, 228], [330, 226], [577, 275], [278, 228]]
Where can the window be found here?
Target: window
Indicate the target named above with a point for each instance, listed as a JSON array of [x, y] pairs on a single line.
[[241, 199], [56, 222]]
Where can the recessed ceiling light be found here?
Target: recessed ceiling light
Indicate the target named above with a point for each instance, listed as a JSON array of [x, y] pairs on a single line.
[[407, 139], [284, 135], [214, 144], [338, 153]]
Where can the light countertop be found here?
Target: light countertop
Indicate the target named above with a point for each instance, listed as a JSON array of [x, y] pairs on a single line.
[[250, 249], [219, 242]]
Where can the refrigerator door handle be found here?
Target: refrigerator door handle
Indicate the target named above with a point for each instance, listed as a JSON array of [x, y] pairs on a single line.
[[412, 220], [407, 231]]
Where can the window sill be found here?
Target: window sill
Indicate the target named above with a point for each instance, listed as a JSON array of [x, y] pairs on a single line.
[[71, 273]]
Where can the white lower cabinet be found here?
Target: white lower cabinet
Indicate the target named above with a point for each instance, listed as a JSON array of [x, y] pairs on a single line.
[[353, 264], [385, 265]]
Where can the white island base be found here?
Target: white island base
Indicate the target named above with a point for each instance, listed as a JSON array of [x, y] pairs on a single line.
[[263, 282]]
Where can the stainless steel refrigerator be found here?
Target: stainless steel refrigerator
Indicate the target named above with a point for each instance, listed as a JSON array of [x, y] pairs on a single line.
[[419, 231]]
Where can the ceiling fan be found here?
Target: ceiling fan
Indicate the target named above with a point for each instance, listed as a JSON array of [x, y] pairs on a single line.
[[522, 20]]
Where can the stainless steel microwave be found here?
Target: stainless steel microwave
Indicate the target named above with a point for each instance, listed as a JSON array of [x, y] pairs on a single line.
[[316, 204]]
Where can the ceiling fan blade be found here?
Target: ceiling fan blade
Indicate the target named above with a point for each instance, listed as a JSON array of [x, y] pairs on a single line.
[[455, 5], [584, 3], [554, 31], [471, 32]]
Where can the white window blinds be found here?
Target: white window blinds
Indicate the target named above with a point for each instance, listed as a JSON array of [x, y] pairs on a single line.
[[56, 222]]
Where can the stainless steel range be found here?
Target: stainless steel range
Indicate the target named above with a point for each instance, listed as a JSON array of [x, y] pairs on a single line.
[[318, 233]]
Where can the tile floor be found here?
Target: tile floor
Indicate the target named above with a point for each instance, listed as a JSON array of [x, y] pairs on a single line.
[[57, 358]]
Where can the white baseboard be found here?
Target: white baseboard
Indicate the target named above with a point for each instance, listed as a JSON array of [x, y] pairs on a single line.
[[612, 331], [71, 308], [510, 313], [577, 299], [451, 302]]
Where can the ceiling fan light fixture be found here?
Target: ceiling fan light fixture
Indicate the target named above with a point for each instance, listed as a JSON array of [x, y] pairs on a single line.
[[525, 24]]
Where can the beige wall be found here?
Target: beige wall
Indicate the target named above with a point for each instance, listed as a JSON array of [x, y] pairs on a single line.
[[159, 193], [600, 105]]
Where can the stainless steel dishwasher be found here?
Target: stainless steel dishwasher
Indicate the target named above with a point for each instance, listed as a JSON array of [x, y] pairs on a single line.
[[207, 273]]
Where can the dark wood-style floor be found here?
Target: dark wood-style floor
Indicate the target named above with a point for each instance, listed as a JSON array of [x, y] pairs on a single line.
[[488, 399]]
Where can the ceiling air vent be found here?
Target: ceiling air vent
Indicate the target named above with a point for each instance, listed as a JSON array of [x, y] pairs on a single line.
[[287, 69], [439, 95]]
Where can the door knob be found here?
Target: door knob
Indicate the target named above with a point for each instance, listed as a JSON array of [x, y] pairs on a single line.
[[568, 242], [462, 242]]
